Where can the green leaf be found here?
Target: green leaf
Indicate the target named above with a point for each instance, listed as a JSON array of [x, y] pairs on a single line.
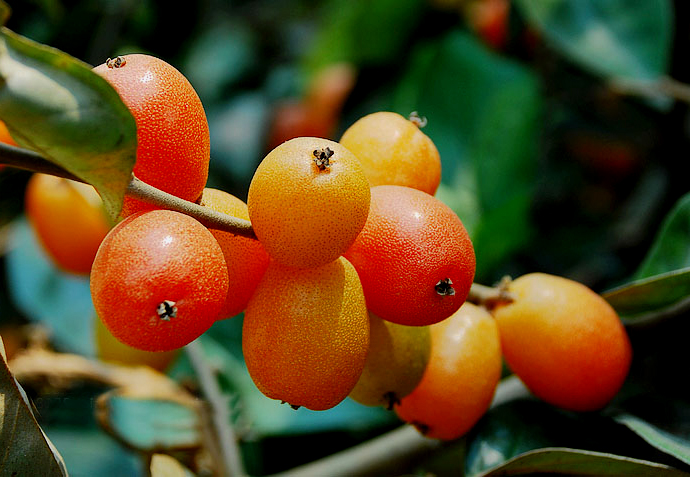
[[149, 423], [483, 115], [615, 38], [671, 248], [650, 295], [677, 446], [580, 462], [26, 449], [363, 31], [57, 106]]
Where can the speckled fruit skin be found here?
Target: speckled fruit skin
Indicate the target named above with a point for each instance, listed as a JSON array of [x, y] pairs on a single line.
[[393, 150], [69, 220], [306, 217], [410, 242], [460, 378], [397, 357], [305, 335], [564, 341], [173, 147], [245, 258], [153, 257]]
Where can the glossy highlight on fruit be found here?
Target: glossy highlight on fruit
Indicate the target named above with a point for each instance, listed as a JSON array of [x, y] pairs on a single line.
[[159, 280], [414, 257], [397, 357], [307, 201], [394, 150], [245, 258], [460, 378], [68, 219], [305, 335], [564, 341], [173, 146]]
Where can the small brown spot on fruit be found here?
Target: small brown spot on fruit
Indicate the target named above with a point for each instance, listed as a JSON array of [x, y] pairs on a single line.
[[322, 158], [166, 310], [117, 62], [444, 287]]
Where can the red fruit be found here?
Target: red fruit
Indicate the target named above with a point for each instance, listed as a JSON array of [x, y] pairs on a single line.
[[414, 257], [173, 147], [159, 280]]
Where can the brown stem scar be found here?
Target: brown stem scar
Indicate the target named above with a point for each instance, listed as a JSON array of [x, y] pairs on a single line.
[[445, 287], [322, 158], [166, 310], [391, 400], [117, 62]]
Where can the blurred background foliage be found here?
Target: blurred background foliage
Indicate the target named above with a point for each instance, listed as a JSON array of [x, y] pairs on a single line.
[[562, 135]]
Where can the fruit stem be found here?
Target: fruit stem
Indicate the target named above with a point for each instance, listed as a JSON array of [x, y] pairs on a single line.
[[417, 120], [25, 159], [491, 297]]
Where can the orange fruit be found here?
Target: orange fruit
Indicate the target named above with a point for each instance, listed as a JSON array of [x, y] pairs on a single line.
[[305, 335], [68, 219], [307, 201], [173, 147], [397, 357], [564, 341], [245, 258], [5, 135], [110, 349], [393, 150], [414, 257], [159, 280], [460, 378]]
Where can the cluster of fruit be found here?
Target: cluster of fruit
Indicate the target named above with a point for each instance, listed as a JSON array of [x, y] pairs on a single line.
[[357, 284]]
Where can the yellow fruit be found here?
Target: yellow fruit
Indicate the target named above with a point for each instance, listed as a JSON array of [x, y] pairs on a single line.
[[307, 201], [306, 334], [460, 378], [393, 150], [395, 364], [564, 341]]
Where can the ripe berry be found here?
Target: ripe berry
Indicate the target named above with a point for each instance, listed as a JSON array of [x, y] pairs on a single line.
[[414, 257], [307, 201], [159, 280], [393, 150], [245, 258], [306, 334], [395, 364], [173, 145], [564, 341], [68, 219], [460, 378]]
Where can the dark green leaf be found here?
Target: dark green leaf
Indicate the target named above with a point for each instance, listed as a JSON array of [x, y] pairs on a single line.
[[665, 441], [671, 249], [663, 422], [149, 423], [650, 295], [26, 450], [615, 38], [57, 106], [580, 462], [483, 115], [59, 301], [363, 31]]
